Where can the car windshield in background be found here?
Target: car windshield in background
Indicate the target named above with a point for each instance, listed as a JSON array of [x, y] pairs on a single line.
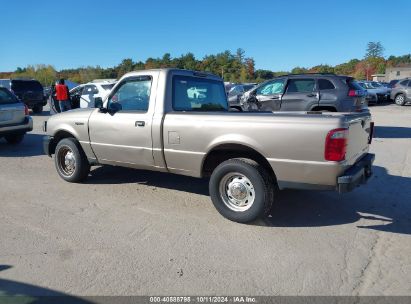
[[367, 85], [6, 97], [107, 87], [198, 94], [26, 85]]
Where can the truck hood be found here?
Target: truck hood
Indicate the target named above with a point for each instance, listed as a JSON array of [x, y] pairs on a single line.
[[74, 122], [74, 114]]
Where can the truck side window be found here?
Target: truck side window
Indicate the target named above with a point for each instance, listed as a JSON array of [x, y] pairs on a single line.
[[301, 85], [198, 94], [133, 94]]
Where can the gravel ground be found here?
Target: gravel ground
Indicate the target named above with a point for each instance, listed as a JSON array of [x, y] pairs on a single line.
[[130, 232]]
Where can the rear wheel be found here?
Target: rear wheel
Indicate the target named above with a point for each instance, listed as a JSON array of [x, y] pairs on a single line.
[[400, 99], [71, 162], [37, 109], [14, 139], [242, 190]]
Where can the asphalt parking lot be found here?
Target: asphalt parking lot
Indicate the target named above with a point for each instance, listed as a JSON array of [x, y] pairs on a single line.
[[129, 232]]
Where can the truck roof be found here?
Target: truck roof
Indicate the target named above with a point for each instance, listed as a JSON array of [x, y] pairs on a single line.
[[178, 71]]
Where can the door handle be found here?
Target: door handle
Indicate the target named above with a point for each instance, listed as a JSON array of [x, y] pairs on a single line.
[[140, 123], [311, 95]]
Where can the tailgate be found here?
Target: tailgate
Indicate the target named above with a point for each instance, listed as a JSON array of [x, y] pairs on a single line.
[[359, 136], [11, 114]]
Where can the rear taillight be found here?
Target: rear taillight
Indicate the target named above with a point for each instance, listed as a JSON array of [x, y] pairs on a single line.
[[356, 93], [26, 110], [336, 145], [352, 93]]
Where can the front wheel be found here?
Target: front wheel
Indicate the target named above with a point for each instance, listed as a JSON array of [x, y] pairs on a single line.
[[71, 162], [242, 190], [400, 99]]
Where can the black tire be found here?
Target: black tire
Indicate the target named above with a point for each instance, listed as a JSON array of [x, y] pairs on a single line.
[[400, 99], [38, 109], [264, 188], [81, 165], [14, 139]]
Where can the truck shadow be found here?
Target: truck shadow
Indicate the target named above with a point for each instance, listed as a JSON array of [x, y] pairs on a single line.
[[383, 204], [30, 146], [391, 132], [120, 175], [16, 292]]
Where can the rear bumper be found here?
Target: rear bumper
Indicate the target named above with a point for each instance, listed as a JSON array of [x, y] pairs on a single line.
[[356, 175], [33, 103], [21, 128]]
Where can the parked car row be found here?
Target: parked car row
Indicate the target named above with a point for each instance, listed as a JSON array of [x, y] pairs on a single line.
[[15, 120], [29, 91], [316, 92], [376, 92]]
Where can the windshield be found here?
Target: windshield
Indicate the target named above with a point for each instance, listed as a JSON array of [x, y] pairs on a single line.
[[198, 94], [365, 85], [7, 97]]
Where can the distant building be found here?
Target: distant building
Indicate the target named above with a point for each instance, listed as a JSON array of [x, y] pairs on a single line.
[[378, 77], [397, 73]]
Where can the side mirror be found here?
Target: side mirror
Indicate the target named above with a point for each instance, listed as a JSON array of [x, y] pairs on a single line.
[[114, 107], [98, 102]]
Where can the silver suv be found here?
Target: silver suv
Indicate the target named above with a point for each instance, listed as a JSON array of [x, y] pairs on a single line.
[[14, 117], [401, 92]]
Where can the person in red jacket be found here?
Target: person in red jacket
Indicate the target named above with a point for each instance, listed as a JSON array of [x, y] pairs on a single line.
[[63, 96]]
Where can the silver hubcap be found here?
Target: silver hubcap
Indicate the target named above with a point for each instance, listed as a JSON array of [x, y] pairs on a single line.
[[67, 161], [399, 99], [237, 192]]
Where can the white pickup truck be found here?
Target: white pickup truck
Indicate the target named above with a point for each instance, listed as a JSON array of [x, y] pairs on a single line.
[[151, 121]]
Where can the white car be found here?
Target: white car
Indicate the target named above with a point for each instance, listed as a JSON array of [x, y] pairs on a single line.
[[85, 94]]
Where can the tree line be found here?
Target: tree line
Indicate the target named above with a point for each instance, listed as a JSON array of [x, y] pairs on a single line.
[[233, 67]]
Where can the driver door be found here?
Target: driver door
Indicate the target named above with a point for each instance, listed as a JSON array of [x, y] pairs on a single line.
[[123, 134], [269, 95]]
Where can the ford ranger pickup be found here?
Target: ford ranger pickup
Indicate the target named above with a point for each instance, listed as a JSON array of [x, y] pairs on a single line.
[[178, 121]]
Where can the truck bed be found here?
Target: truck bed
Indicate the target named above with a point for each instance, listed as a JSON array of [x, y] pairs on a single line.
[[292, 142]]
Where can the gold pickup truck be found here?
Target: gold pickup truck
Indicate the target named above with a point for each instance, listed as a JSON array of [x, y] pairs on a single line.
[[178, 121]]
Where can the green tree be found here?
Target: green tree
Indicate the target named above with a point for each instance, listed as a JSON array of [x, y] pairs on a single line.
[[299, 70], [374, 50]]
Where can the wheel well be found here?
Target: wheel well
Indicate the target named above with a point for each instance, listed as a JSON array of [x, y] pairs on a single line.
[[59, 136], [236, 108], [228, 151], [324, 108], [399, 93]]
